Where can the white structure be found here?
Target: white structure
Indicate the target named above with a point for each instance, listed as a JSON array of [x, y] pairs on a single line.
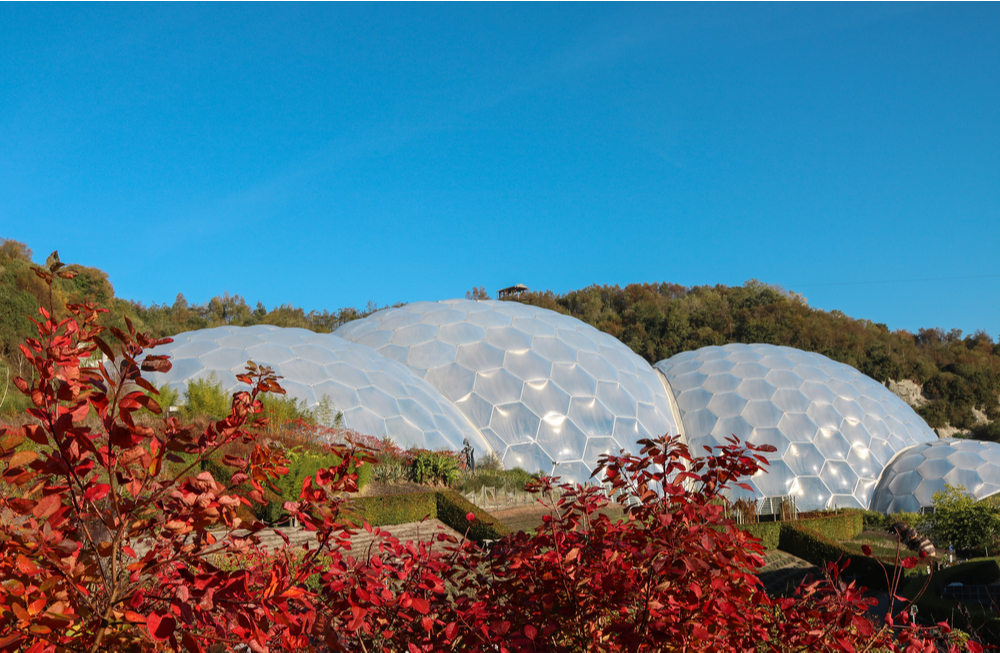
[[546, 390], [377, 396], [834, 428], [910, 481]]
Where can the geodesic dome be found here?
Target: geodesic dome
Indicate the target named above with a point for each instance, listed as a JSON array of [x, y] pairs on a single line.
[[377, 396], [834, 428], [541, 387], [910, 481]]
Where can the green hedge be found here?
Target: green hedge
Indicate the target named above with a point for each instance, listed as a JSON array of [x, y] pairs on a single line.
[[393, 509], [446, 505], [452, 509], [844, 525], [800, 539], [839, 526], [767, 532]]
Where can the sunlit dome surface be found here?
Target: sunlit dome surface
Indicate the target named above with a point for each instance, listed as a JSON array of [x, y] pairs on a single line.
[[910, 481], [541, 387], [834, 428], [377, 396]]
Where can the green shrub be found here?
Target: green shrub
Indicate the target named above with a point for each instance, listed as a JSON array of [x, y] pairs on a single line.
[[206, 397], [300, 465], [962, 521], [446, 505], [933, 607], [872, 519], [432, 467]]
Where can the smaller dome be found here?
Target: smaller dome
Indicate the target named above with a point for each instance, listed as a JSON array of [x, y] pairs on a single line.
[[910, 481], [377, 396], [833, 427]]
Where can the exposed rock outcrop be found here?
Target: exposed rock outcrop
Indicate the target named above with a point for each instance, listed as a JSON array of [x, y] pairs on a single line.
[[909, 391]]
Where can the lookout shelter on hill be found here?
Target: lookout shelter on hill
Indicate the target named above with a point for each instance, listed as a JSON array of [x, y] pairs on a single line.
[[513, 291]]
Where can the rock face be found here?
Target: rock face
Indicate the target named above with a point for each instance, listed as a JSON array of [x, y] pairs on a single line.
[[950, 431], [909, 391]]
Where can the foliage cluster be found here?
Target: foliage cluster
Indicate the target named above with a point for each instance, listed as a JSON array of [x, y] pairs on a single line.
[[961, 521], [434, 468], [115, 541]]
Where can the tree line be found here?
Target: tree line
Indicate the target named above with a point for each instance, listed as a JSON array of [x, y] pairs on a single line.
[[658, 320]]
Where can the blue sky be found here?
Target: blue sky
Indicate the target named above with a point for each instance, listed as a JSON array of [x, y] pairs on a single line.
[[331, 155]]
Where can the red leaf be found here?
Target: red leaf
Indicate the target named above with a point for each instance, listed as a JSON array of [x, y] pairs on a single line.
[[421, 605], [161, 625], [36, 434], [25, 566], [103, 346], [22, 458], [530, 632], [47, 506], [909, 563], [867, 550]]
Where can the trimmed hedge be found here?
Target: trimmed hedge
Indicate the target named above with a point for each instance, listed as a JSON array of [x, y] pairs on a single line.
[[391, 509], [800, 539], [840, 526], [446, 505], [767, 532], [452, 509]]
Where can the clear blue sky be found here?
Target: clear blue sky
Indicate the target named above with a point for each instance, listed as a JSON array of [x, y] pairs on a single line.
[[328, 155]]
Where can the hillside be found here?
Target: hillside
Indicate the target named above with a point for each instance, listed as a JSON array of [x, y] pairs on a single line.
[[959, 376]]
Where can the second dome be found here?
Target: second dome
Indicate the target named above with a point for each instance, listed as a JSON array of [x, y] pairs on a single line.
[[542, 387]]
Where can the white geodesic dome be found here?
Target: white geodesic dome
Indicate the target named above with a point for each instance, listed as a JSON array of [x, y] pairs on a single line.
[[834, 428], [377, 396], [910, 481], [541, 387]]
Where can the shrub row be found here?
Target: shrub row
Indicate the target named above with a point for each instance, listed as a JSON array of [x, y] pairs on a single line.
[[843, 525], [446, 505], [802, 540]]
